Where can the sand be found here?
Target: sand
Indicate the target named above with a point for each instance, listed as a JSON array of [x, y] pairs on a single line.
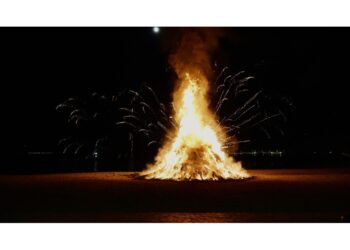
[[289, 195]]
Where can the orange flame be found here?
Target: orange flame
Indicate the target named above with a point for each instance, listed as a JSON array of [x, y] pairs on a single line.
[[195, 150]]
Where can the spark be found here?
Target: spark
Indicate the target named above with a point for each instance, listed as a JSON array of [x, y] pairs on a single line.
[[157, 122]]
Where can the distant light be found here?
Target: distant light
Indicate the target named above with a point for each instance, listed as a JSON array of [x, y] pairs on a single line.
[[156, 29]]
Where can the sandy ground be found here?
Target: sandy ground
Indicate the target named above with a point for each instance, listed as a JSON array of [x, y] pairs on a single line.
[[292, 195]]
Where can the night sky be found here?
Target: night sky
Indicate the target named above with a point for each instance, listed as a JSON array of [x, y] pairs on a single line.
[[41, 67]]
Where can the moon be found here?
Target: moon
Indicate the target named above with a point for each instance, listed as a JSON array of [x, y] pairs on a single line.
[[156, 29]]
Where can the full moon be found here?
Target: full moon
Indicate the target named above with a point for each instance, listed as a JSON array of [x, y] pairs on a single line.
[[155, 29]]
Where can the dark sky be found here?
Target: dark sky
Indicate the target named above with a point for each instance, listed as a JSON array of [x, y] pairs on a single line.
[[41, 67]]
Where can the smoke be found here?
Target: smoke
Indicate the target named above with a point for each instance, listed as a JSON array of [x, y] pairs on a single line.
[[194, 50]]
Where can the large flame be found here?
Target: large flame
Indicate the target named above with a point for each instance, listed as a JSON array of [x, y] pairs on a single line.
[[194, 151]]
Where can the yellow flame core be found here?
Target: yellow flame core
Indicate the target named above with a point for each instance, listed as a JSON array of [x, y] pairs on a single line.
[[194, 152]]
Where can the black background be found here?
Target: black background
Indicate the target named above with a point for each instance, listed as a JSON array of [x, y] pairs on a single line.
[[41, 67]]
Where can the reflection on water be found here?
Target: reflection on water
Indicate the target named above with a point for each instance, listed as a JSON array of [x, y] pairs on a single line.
[[181, 217], [227, 217]]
